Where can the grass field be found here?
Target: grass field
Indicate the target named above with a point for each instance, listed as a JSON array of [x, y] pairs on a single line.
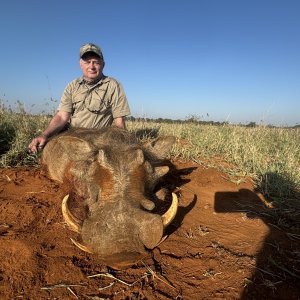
[[270, 156]]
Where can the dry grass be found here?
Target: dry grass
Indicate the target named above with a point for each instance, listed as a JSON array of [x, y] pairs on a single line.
[[270, 156]]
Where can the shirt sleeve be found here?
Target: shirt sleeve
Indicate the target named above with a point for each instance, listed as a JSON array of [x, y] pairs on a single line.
[[120, 106], [66, 100]]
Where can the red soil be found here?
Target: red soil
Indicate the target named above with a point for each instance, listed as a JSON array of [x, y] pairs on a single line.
[[224, 244]]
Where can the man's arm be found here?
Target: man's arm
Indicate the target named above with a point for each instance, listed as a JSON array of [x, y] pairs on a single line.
[[120, 122], [57, 123]]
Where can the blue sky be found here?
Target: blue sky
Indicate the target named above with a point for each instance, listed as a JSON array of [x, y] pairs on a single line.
[[220, 60]]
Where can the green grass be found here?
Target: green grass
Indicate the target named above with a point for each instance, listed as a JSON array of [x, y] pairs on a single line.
[[270, 156], [17, 128]]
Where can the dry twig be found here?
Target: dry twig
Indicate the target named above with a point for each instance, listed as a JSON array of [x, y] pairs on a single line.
[[293, 236], [156, 276], [283, 268], [63, 285], [117, 279]]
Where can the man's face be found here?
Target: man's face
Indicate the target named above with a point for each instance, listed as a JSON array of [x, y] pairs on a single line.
[[91, 66]]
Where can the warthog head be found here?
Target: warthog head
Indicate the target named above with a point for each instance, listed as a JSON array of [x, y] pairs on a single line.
[[116, 175]]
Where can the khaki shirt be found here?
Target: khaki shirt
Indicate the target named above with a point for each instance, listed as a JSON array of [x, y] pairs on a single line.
[[94, 106]]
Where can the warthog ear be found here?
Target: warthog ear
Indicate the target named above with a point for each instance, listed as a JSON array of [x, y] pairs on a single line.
[[162, 146], [77, 148], [161, 171], [158, 173]]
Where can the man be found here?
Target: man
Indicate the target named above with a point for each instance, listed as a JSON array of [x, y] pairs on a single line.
[[92, 101]]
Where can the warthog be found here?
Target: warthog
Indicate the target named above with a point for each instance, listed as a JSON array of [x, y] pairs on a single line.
[[116, 175]]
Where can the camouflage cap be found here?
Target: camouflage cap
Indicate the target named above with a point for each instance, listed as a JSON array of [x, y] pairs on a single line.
[[91, 48]]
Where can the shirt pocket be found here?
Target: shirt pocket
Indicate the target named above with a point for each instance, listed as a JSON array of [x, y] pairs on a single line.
[[79, 100], [99, 102], [77, 105]]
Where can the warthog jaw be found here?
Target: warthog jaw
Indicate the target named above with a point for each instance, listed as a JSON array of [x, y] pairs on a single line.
[[75, 225]]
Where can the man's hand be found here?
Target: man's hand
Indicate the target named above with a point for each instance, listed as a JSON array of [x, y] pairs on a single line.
[[37, 144], [120, 122], [57, 123]]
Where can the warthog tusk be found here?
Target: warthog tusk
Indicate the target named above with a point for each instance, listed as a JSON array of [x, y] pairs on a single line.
[[81, 247], [170, 214], [162, 240], [71, 221]]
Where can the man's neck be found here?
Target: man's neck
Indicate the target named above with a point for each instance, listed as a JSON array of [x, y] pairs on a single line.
[[92, 81]]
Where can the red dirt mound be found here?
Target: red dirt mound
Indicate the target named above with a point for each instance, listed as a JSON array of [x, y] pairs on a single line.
[[224, 244]]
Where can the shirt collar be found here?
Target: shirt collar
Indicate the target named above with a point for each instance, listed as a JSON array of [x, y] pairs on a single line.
[[103, 79]]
